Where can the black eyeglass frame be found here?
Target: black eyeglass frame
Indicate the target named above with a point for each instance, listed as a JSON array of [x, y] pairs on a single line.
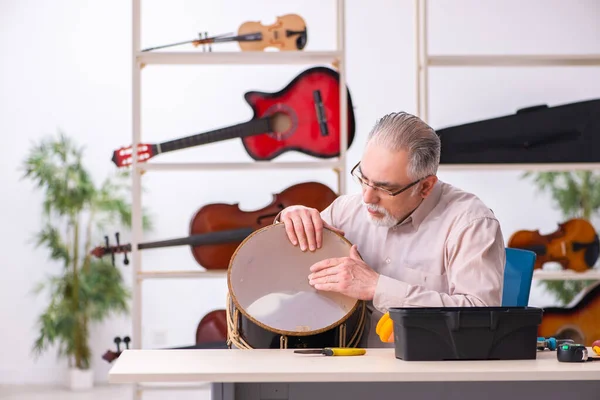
[[396, 193]]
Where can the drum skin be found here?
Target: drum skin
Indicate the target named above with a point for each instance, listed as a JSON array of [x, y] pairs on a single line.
[[276, 307]]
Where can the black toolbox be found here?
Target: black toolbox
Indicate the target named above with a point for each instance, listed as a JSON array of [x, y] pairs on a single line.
[[465, 333]]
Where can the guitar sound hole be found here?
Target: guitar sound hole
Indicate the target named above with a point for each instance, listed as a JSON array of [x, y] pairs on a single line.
[[283, 121], [572, 334]]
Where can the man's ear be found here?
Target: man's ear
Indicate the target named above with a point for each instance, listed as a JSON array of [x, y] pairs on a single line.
[[427, 185]]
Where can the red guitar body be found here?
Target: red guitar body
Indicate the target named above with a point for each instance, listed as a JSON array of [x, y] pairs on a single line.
[[297, 102], [304, 117]]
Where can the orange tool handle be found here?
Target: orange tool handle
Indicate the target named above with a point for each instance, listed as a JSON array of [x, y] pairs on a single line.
[[385, 328]]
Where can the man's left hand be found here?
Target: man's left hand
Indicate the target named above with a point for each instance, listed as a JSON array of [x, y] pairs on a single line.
[[347, 275]]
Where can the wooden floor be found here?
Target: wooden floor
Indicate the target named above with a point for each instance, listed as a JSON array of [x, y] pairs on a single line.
[[100, 392]]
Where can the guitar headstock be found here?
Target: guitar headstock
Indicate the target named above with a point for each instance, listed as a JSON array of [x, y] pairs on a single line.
[[123, 156], [101, 251], [110, 355]]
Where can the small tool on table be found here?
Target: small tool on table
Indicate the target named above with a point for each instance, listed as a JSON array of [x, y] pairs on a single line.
[[551, 343], [334, 351], [573, 352]]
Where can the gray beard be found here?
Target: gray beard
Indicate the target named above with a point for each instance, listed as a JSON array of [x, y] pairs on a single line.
[[387, 221]]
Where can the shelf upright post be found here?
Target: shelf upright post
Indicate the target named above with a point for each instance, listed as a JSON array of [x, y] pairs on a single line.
[[341, 27], [136, 207], [421, 59]]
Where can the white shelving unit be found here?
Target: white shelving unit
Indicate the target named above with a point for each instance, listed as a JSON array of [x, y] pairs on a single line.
[[141, 60], [424, 61]]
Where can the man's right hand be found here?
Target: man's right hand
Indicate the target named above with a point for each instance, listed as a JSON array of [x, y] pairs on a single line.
[[304, 226]]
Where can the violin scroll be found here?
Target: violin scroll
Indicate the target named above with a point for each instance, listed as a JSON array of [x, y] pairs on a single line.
[[110, 355], [101, 251]]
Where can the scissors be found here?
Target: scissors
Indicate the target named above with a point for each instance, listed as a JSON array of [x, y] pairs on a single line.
[[334, 351]]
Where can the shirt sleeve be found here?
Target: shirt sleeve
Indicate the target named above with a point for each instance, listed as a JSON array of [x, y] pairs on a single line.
[[327, 214], [475, 270]]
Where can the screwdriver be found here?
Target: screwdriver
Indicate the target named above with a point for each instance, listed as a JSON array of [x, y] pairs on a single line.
[[334, 351], [551, 343]]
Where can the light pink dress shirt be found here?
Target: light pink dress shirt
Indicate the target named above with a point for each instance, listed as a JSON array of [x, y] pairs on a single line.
[[448, 253]]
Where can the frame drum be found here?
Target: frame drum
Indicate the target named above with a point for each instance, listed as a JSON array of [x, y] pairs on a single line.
[[272, 305]]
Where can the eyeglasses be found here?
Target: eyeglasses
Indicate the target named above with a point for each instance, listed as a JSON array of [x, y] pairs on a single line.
[[361, 179]]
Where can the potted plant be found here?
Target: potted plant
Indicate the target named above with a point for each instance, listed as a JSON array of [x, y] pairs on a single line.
[[85, 289], [577, 195]]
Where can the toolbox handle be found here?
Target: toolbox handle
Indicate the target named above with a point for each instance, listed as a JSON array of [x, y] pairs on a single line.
[[456, 321]]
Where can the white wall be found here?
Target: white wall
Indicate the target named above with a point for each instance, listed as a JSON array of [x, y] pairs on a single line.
[[66, 64]]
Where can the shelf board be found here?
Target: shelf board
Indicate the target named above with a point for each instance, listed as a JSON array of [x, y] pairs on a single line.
[[523, 167], [231, 166], [566, 275], [239, 57], [529, 60], [182, 274]]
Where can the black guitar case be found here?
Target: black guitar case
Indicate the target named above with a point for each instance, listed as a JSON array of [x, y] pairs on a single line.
[[568, 133]]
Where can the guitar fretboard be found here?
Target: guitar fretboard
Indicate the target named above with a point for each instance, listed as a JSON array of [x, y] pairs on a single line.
[[250, 128]]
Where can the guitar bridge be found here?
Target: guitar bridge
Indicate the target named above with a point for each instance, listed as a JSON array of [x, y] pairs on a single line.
[[320, 110]]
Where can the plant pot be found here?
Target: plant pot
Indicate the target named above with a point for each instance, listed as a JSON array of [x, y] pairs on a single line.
[[80, 379]]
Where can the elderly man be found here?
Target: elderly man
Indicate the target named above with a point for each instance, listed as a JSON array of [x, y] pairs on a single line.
[[418, 241]]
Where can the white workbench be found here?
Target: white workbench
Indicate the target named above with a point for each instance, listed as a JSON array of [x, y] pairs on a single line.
[[281, 374]]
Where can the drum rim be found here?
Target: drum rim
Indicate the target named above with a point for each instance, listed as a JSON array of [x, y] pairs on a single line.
[[282, 331]]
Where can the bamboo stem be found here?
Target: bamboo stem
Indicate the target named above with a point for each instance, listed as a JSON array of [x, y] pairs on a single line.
[[75, 296]]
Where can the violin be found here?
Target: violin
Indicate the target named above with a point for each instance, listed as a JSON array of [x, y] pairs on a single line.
[[286, 34], [211, 333], [574, 245], [216, 230]]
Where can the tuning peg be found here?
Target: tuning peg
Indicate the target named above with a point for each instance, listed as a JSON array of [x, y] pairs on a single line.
[[125, 259], [117, 342], [112, 254], [210, 44], [126, 340]]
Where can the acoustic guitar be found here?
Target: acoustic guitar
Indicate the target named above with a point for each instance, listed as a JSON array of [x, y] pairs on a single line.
[[288, 33], [304, 116], [574, 245], [579, 321]]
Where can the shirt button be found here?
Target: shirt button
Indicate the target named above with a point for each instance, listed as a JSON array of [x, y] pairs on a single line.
[[387, 261]]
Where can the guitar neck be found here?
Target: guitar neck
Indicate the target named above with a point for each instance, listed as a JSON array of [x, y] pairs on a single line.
[[250, 128]]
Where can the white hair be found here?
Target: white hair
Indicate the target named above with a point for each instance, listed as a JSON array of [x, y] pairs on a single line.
[[403, 131]]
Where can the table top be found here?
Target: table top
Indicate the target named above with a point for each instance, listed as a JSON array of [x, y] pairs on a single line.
[[275, 365]]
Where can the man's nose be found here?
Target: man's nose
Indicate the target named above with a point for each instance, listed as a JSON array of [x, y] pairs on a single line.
[[370, 195]]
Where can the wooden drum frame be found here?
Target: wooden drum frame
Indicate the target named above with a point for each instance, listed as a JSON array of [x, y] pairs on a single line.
[[270, 303]]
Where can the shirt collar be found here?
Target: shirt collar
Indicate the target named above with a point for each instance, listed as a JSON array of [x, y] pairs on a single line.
[[423, 209]]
